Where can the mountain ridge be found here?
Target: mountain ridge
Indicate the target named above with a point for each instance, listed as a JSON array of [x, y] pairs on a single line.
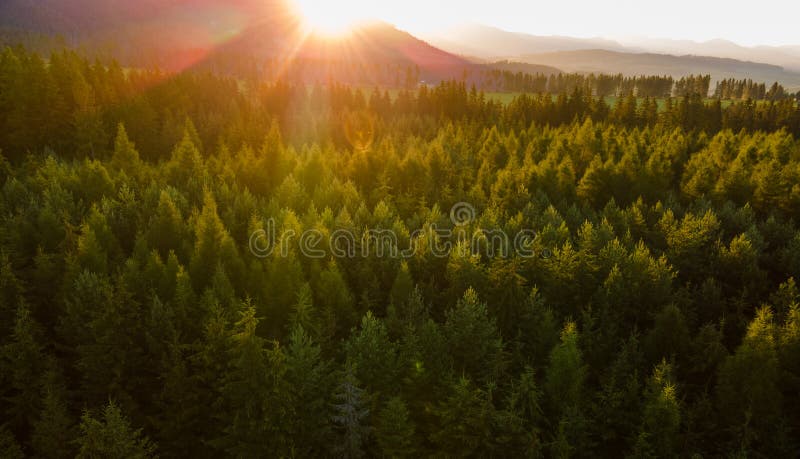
[[179, 34], [491, 43]]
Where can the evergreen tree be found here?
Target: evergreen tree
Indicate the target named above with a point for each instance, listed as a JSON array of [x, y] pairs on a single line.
[[309, 388], [250, 391], [659, 434], [112, 436], [473, 341], [304, 315], [125, 157], [350, 416], [395, 430], [374, 356], [23, 365], [54, 430], [748, 391], [213, 247]]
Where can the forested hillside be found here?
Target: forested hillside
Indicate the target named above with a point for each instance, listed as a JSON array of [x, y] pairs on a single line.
[[653, 313]]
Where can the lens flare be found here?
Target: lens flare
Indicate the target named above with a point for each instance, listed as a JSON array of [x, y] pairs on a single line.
[[332, 19]]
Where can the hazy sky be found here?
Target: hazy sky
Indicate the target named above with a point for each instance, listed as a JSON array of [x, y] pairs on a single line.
[[767, 22]]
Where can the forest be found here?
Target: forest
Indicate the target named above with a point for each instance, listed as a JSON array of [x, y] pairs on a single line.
[[660, 318]]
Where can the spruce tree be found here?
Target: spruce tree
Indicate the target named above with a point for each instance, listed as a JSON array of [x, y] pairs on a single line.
[[111, 435], [350, 416]]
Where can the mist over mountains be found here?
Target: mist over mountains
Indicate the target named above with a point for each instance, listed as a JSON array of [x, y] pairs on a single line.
[[720, 58]]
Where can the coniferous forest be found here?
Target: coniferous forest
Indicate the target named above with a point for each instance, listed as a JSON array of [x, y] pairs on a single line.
[[653, 312]]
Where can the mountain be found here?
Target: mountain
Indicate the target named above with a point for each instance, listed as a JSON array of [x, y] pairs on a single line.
[[785, 56], [631, 64], [491, 43], [719, 58], [170, 33], [178, 34]]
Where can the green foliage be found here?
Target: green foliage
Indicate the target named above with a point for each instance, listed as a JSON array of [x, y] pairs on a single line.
[[473, 341], [565, 373], [350, 416], [395, 431], [250, 389], [661, 417], [22, 364], [54, 429], [470, 424], [664, 229], [309, 385], [9, 446], [374, 356], [112, 436], [749, 393]]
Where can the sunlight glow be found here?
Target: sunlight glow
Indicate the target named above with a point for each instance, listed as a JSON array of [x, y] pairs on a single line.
[[332, 19], [576, 18]]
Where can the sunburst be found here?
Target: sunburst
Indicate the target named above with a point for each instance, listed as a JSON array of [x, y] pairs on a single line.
[[331, 19]]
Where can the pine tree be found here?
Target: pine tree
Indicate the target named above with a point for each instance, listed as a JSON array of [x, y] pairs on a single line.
[[402, 287], [186, 168], [53, 431], [110, 348], [309, 386], [395, 430], [789, 355], [125, 157], [565, 373], [112, 436], [473, 341], [564, 388], [285, 280], [469, 424], [23, 363], [213, 248], [166, 231], [525, 404], [350, 416], [336, 302], [10, 291], [748, 391], [250, 388], [374, 356], [272, 155], [303, 314], [662, 418]]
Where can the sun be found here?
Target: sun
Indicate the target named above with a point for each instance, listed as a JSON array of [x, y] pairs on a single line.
[[332, 19]]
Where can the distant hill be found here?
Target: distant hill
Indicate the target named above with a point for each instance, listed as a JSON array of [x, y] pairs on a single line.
[[170, 33], [720, 58], [491, 43], [603, 61], [785, 56]]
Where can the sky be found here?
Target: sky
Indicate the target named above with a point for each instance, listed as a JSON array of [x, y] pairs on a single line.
[[749, 23]]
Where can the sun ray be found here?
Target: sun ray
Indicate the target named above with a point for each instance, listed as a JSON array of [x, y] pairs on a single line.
[[330, 20]]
